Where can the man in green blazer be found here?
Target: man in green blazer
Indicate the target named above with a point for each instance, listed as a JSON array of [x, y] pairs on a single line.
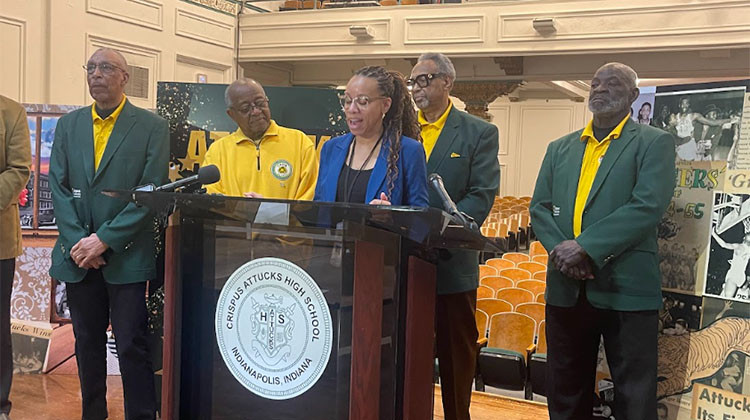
[[599, 196], [462, 149], [105, 252], [15, 165]]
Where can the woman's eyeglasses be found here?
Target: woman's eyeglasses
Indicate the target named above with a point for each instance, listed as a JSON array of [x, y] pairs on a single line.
[[362, 101]]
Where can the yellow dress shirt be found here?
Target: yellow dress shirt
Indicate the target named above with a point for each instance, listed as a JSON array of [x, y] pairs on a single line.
[[103, 129], [283, 164], [431, 131], [592, 158]]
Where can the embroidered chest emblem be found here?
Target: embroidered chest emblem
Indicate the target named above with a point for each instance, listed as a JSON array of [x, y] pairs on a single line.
[[281, 169]]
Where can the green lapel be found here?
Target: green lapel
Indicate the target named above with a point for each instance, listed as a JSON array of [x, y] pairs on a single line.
[[445, 141], [124, 123], [610, 157], [85, 132]]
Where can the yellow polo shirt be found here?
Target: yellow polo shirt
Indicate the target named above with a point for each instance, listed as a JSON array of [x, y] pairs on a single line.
[[592, 158], [283, 164], [103, 129], [431, 131]]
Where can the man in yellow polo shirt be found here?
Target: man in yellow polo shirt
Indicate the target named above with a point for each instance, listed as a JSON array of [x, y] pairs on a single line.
[[599, 196], [261, 158]]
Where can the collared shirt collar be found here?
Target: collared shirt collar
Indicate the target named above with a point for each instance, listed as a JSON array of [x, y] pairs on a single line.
[[588, 132], [440, 122], [113, 115], [271, 131]]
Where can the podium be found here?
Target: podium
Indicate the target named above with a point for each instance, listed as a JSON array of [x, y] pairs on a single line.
[[281, 310]]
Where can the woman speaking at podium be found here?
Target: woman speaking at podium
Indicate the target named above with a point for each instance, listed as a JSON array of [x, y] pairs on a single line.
[[379, 161]]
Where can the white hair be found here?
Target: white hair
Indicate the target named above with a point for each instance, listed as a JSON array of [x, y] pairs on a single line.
[[442, 62]]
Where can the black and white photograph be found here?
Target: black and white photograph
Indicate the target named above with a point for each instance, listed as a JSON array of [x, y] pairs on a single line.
[[731, 376], [729, 252], [61, 312], [715, 309], [30, 347], [680, 313], [705, 119]]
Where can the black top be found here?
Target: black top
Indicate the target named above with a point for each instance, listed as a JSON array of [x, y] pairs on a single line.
[[104, 113], [352, 185], [602, 133]]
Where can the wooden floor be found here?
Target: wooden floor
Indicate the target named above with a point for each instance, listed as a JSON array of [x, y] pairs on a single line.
[[494, 407], [58, 397]]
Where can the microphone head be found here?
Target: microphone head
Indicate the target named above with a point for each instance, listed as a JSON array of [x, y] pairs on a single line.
[[434, 177], [208, 174]]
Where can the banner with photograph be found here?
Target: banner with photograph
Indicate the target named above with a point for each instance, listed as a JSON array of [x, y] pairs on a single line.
[[705, 119], [683, 231]]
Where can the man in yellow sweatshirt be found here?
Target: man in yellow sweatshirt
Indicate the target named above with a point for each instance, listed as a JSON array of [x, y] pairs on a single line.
[[261, 159]]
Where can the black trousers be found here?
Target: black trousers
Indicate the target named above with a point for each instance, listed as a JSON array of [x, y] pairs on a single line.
[[7, 271], [573, 336], [93, 302], [456, 337]]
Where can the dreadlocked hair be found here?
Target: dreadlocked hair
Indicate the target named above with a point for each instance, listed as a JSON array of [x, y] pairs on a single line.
[[401, 118]]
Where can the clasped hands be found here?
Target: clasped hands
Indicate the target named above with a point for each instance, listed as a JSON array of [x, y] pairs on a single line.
[[571, 260], [87, 253]]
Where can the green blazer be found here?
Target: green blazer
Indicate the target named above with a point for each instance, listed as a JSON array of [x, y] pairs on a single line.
[[137, 153], [465, 156], [631, 190]]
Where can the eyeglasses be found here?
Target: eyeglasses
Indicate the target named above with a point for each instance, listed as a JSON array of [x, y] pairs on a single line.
[[423, 80], [362, 101], [260, 104], [105, 68]]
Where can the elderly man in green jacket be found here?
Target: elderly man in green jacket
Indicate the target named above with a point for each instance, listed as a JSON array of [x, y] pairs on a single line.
[[105, 252], [599, 196], [15, 164], [462, 149]]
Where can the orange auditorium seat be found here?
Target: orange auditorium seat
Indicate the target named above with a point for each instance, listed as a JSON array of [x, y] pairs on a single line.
[[534, 286], [496, 282], [515, 296], [500, 263], [531, 267], [515, 274], [516, 257], [484, 292]]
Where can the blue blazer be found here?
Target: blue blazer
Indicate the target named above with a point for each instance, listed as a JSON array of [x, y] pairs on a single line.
[[410, 188]]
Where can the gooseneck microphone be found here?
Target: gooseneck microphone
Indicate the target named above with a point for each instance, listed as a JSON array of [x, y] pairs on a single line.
[[436, 181], [206, 175]]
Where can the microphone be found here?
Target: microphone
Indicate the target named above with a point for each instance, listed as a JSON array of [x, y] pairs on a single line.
[[206, 175], [436, 181]]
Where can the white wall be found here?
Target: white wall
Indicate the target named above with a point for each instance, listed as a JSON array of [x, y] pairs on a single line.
[[45, 43], [525, 129]]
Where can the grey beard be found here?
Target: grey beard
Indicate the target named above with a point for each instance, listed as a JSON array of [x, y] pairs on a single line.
[[425, 102], [609, 107]]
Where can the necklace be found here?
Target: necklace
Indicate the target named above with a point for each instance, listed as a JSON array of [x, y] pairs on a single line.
[[348, 186]]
